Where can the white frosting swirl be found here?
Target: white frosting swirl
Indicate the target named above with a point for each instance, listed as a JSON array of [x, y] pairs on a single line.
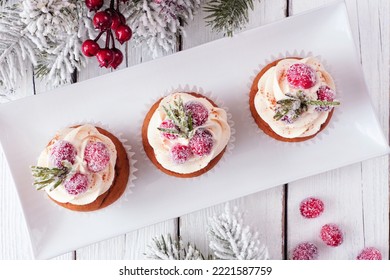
[[273, 87], [98, 183], [217, 124]]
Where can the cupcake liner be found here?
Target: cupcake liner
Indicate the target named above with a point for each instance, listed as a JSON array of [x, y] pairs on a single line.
[[216, 100], [132, 163], [320, 136]]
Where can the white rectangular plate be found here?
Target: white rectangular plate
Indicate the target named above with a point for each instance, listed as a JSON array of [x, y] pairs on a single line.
[[224, 68]]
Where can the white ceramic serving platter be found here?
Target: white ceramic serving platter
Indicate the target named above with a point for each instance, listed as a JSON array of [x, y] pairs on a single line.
[[224, 69]]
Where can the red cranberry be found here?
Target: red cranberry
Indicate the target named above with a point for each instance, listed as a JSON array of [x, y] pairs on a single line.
[[305, 251], [105, 57], [115, 18], [369, 253], [180, 153], [118, 58], [332, 235], [301, 76], [198, 112], [94, 5], [311, 207], [77, 184], [90, 48], [97, 156], [102, 20], [168, 124], [201, 143], [62, 151], [123, 33]]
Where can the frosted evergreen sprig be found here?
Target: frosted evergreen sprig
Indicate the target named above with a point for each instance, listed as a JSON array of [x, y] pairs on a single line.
[[230, 240], [50, 177], [180, 118], [227, 16], [165, 247], [17, 49], [291, 108]]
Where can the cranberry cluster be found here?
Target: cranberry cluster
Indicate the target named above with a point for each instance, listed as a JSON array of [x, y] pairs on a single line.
[[108, 21]]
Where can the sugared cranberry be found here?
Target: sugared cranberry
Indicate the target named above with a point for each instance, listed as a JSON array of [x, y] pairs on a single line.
[[168, 124], [202, 142], [198, 112], [369, 253], [305, 251], [97, 156], [102, 20], [301, 76], [325, 93], [180, 153], [331, 235], [311, 207], [123, 33], [94, 5], [118, 58], [90, 48], [62, 151], [77, 184], [105, 57]]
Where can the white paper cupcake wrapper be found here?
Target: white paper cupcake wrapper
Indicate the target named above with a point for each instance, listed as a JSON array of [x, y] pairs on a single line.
[[217, 101], [132, 163], [320, 136]]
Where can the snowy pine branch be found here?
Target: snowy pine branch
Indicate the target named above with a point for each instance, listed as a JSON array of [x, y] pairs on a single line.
[[227, 16], [159, 22], [229, 240], [16, 48], [57, 28], [166, 248]]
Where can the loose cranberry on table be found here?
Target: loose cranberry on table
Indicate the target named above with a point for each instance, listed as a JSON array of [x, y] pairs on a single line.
[[305, 251], [369, 253], [311, 207], [332, 235]]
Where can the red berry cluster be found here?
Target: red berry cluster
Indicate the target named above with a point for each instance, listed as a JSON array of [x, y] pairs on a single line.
[[108, 21]]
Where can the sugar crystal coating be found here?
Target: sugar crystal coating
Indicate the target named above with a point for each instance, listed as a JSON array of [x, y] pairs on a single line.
[[77, 184], [311, 207], [369, 253], [180, 153], [332, 235], [198, 112], [97, 156], [202, 142], [301, 76], [305, 251], [168, 124], [62, 151]]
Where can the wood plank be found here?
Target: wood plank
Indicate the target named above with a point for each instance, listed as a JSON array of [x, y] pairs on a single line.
[[264, 209], [356, 196]]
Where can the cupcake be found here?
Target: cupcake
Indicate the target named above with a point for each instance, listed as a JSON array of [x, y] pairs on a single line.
[[83, 168], [185, 134], [293, 99]]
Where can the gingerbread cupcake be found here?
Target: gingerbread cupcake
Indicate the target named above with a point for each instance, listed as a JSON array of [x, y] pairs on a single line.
[[83, 168], [293, 99], [185, 134]]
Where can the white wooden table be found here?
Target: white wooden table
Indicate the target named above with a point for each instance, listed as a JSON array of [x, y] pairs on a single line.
[[356, 197]]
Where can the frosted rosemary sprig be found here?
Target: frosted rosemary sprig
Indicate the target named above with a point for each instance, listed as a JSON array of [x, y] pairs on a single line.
[[46, 176], [180, 118], [291, 108]]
